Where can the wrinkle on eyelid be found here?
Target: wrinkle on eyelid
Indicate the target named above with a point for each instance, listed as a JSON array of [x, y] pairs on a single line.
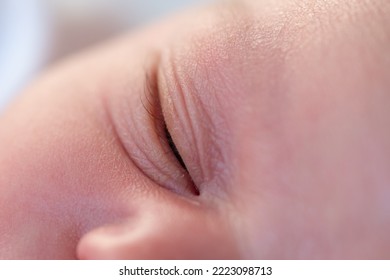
[[120, 137], [210, 125], [191, 120], [182, 111], [136, 131], [146, 158]]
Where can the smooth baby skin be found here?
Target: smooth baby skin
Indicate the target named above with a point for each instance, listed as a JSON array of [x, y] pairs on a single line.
[[278, 109]]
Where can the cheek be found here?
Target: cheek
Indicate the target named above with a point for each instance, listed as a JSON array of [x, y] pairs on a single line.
[[62, 172]]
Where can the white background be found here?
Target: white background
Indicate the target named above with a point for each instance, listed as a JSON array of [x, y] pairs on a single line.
[[96, 270]]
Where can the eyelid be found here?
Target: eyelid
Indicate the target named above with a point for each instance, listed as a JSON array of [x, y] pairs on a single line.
[[151, 104], [153, 108], [188, 106]]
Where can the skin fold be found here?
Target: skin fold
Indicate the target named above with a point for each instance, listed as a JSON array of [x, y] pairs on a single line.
[[279, 110]]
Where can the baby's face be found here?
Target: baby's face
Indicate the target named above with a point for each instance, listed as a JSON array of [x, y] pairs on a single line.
[[246, 130]]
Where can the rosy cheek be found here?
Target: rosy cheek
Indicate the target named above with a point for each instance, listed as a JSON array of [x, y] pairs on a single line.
[[61, 168]]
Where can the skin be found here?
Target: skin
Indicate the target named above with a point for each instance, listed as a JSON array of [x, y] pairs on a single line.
[[279, 111]]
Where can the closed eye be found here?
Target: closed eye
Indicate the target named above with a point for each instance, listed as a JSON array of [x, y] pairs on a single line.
[[153, 108], [169, 168], [173, 147]]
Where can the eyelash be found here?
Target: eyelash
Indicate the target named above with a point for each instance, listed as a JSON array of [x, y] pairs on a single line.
[[173, 147], [153, 108]]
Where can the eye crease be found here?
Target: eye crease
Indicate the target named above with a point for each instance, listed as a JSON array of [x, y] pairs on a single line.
[[168, 167], [173, 147], [153, 108]]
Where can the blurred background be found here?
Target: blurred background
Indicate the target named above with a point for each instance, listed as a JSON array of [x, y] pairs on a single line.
[[36, 33]]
